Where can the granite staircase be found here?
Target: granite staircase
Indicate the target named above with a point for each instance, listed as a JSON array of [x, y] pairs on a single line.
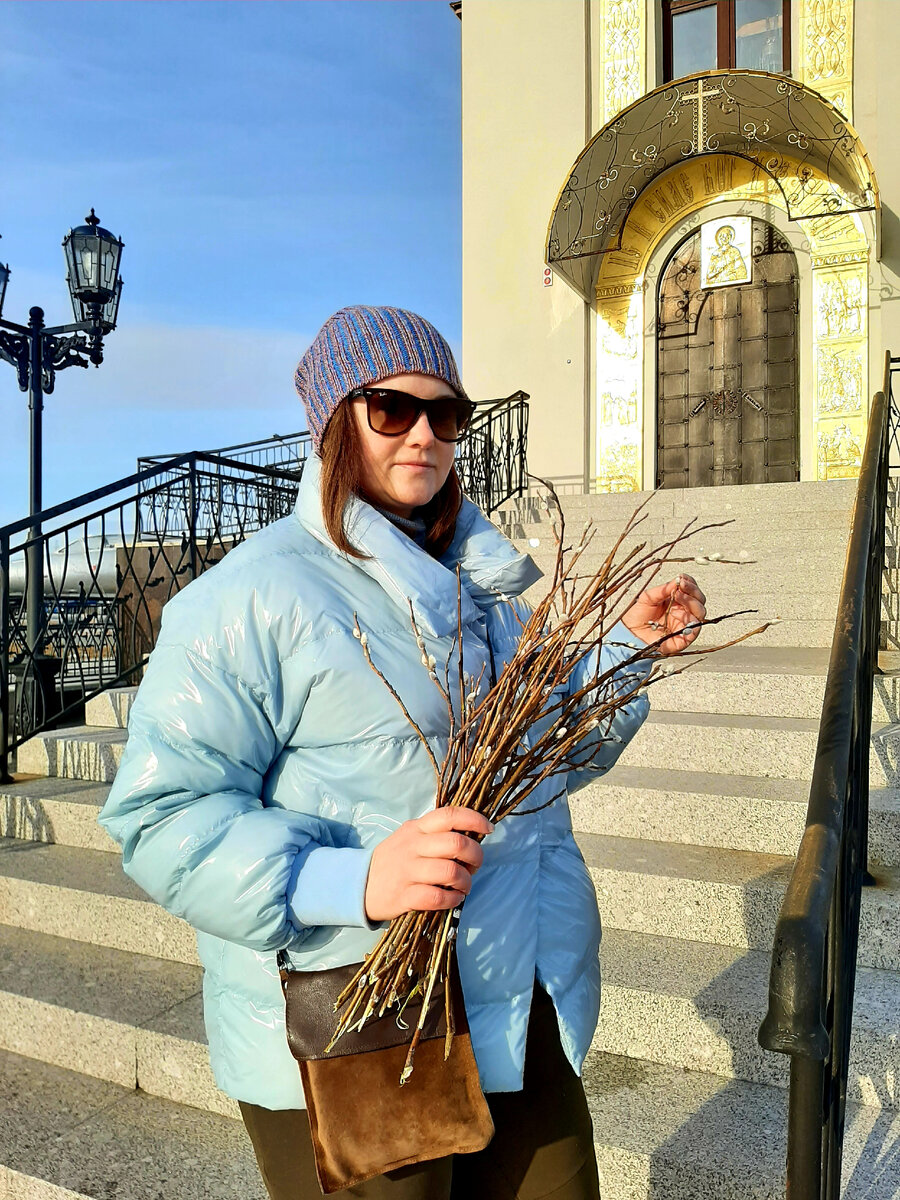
[[690, 840], [106, 1085]]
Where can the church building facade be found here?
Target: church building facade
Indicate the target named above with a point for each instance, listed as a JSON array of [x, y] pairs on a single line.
[[680, 232]]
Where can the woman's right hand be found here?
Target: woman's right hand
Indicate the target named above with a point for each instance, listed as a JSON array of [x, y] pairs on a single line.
[[426, 865]]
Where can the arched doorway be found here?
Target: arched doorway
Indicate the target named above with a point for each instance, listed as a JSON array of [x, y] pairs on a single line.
[[727, 375]]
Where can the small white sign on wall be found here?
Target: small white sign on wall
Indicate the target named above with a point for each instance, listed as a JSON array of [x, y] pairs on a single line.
[[725, 252]]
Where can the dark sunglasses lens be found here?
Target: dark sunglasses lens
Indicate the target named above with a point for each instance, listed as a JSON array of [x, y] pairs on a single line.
[[391, 412], [449, 418]]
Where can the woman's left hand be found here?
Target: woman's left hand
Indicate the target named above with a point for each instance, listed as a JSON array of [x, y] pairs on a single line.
[[672, 608]]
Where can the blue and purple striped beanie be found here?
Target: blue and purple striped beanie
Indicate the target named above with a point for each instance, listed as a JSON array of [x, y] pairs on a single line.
[[360, 345]]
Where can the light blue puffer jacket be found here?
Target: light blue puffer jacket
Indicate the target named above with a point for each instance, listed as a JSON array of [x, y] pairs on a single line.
[[265, 760]]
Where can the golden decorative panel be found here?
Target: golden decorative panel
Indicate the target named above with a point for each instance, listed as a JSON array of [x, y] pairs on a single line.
[[620, 467], [618, 409], [841, 307], [839, 382], [623, 54], [840, 451], [826, 50], [619, 388]]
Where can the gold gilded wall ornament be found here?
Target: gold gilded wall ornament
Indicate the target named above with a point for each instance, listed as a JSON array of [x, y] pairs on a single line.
[[840, 452], [841, 306], [620, 467], [618, 408], [623, 54], [826, 50], [840, 376]]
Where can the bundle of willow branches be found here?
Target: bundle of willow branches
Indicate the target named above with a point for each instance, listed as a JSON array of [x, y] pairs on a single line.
[[492, 767]]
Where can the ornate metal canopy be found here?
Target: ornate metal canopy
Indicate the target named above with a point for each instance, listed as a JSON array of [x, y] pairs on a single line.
[[789, 131]]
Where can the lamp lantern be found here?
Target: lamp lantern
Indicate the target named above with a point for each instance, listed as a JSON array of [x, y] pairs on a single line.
[[92, 257]]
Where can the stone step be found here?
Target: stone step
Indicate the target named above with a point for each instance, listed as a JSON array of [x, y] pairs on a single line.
[[699, 893], [781, 497], [663, 1132], [787, 745], [771, 747], [736, 812], [84, 895], [780, 634], [746, 539], [66, 1136], [111, 708], [137, 1021], [731, 812], [77, 752], [64, 811], [725, 897], [127, 1018], [699, 1006], [793, 598], [772, 559], [747, 680], [748, 664], [777, 682], [658, 1131]]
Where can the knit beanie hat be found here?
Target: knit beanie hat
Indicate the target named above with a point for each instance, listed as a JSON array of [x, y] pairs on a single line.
[[360, 345]]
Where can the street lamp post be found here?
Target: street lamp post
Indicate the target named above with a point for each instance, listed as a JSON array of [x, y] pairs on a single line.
[[93, 256]]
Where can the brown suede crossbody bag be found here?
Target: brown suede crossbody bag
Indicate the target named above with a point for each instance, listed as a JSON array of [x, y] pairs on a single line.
[[363, 1122]]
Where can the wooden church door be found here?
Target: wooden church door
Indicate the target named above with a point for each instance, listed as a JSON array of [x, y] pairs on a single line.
[[727, 377]]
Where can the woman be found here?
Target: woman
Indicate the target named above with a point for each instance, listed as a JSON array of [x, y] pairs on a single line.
[[274, 796]]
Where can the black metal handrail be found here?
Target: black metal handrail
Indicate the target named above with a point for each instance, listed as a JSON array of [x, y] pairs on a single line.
[[814, 956], [285, 452]]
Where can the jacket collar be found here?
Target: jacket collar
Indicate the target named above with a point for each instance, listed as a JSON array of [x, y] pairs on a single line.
[[491, 568]]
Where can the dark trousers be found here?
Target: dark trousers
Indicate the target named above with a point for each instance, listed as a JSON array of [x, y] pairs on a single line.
[[543, 1148]]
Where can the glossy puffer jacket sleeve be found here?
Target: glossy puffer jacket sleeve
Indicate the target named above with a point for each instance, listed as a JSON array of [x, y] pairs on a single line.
[[186, 809], [600, 750]]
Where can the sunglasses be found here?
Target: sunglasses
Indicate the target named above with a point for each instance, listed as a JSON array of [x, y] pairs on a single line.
[[393, 413]]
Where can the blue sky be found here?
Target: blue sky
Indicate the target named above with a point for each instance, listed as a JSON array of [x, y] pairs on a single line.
[[264, 162]]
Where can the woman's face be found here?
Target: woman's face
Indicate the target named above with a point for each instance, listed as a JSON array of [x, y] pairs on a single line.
[[404, 472]]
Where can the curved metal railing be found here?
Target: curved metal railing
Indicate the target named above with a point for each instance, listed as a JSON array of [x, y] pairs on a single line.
[[814, 955]]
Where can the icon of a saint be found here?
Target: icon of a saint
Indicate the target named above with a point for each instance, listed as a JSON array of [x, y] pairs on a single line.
[[726, 263]]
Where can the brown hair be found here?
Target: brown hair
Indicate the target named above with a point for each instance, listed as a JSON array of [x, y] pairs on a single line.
[[341, 455]]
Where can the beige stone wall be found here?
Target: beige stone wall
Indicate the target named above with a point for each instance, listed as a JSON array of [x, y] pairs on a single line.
[[876, 112], [525, 118]]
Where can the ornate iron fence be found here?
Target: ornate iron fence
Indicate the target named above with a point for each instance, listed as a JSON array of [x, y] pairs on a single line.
[[492, 459], [814, 956], [111, 559]]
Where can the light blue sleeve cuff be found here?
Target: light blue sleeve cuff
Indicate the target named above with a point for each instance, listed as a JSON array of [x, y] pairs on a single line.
[[621, 641], [328, 887]]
